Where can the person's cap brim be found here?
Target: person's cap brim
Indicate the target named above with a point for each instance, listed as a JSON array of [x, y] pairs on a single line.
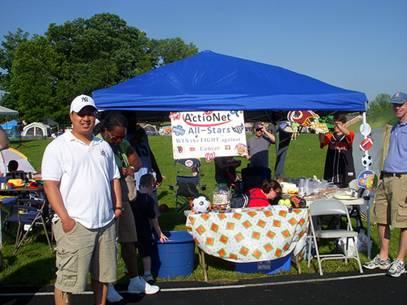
[[87, 108]]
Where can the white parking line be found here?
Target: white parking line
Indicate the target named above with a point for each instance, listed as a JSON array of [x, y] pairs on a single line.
[[295, 282]]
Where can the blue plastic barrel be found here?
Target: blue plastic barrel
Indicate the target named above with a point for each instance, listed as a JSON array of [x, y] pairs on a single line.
[[282, 264], [175, 257]]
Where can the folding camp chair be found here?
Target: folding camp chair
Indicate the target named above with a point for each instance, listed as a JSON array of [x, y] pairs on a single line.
[[27, 213], [187, 182], [318, 231]]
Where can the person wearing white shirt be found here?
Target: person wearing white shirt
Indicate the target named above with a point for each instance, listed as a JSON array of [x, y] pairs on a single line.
[[81, 181]]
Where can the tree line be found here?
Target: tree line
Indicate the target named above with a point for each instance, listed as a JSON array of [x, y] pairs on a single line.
[[41, 74]]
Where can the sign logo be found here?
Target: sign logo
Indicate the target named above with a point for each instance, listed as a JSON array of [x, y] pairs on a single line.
[[206, 119]]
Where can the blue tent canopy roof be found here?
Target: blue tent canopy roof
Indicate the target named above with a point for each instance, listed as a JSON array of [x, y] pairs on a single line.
[[211, 81]]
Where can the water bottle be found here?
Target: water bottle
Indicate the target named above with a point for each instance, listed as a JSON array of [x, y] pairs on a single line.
[[301, 187], [307, 190]]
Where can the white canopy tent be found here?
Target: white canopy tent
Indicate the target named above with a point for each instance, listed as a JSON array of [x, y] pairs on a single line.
[[8, 111]]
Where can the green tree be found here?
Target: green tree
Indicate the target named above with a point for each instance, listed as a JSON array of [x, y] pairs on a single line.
[[173, 49], [34, 79], [380, 111], [79, 56], [8, 47], [7, 50]]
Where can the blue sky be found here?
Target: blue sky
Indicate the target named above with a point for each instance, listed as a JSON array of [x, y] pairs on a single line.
[[359, 44]]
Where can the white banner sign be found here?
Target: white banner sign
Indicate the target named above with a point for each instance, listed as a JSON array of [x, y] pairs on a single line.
[[208, 134]]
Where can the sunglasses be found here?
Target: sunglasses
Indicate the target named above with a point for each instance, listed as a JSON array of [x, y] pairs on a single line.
[[259, 129], [84, 113], [115, 138]]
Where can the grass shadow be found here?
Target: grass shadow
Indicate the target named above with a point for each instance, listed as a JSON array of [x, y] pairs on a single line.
[[171, 219], [35, 274]]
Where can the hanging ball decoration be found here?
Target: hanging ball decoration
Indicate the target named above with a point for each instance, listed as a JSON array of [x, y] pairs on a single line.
[[365, 129], [367, 160], [366, 144]]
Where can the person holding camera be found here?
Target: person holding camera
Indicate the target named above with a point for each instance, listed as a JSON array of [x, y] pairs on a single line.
[[258, 146]]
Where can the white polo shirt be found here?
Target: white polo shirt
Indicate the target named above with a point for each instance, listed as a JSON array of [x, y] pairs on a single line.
[[85, 173]]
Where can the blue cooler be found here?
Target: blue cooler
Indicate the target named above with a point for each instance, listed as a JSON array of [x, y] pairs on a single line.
[[282, 264], [175, 257]]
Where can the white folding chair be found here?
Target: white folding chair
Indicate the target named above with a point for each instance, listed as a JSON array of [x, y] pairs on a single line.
[[331, 207]]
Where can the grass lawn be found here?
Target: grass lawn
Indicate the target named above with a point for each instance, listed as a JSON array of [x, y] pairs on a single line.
[[34, 264]]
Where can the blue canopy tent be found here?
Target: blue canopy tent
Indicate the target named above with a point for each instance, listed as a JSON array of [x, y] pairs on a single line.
[[210, 81]]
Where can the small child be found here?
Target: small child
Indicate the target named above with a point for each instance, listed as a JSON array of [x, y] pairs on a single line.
[[268, 193], [146, 220], [13, 172], [339, 167]]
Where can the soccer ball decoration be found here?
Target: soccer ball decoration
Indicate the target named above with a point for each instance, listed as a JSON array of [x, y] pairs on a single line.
[[367, 160], [200, 205]]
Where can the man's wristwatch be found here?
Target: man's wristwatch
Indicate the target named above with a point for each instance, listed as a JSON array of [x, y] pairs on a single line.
[[119, 208]]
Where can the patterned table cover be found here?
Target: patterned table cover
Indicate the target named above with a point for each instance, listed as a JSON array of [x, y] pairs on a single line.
[[249, 235]]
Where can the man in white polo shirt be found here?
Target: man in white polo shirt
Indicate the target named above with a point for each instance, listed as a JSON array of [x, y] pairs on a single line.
[[81, 181]]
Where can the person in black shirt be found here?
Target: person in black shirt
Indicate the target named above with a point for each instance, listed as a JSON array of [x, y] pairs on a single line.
[[146, 221], [225, 170]]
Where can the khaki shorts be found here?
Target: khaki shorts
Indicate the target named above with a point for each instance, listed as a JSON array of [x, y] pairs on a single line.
[[82, 250], [391, 202], [127, 231]]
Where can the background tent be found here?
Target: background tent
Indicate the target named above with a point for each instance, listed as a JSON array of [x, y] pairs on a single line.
[[36, 129], [11, 128], [8, 112], [6, 155], [9, 124], [211, 81]]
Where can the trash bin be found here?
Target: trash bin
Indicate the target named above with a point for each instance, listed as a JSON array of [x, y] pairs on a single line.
[[174, 257]]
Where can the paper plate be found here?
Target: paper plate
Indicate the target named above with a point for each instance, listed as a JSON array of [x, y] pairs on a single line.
[[344, 196], [367, 179]]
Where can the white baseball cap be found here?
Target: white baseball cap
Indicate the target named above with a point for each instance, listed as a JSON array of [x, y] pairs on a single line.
[[80, 102]]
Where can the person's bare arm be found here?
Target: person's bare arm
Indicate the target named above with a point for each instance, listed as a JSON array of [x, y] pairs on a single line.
[[321, 139], [117, 197], [157, 229], [55, 199], [342, 127], [269, 135]]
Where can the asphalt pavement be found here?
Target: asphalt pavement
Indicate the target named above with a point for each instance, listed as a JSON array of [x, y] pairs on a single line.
[[341, 289]]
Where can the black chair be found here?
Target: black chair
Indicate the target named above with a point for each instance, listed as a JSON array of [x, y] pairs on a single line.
[[254, 177], [187, 182]]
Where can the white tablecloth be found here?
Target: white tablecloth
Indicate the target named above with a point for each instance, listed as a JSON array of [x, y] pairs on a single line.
[[249, 235]]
